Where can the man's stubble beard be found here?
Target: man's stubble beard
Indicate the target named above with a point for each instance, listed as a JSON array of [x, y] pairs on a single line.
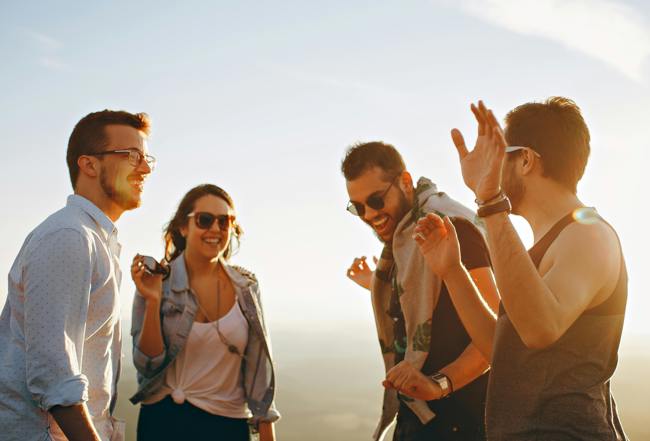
[[122, 198], [514, 188]]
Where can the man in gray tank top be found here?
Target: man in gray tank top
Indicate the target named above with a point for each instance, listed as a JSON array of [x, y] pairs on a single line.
[[554, 343]]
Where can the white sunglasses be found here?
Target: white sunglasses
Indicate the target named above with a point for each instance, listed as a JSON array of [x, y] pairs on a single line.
[[515, 148]]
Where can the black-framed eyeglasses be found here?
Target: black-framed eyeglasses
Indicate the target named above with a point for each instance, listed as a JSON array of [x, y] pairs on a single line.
[[205, 220], [135, 156], [374, 201]]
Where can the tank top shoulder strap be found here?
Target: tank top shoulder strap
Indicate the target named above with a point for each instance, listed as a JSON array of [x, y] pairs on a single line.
[[616, 301], [538, 250]]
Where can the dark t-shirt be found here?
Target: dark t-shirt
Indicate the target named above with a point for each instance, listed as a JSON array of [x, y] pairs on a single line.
[[449, 339]]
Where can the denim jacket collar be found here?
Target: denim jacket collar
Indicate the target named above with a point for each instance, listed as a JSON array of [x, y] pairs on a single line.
[[179, 280]]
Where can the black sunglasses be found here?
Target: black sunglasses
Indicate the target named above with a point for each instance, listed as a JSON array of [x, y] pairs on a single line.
[[374, 201], [205, 220], [152, 266]]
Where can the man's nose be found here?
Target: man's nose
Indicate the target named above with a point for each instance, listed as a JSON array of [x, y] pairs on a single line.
[[144, 167], [369, 213]]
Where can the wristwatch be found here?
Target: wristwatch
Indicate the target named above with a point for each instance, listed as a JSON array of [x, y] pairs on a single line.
[[444, 382]]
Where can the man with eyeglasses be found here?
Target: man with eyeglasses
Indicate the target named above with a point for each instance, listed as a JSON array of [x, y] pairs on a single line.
[[553, 345], [60, 339], [418, 328]]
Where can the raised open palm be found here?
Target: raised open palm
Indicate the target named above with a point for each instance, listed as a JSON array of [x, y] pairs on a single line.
[[438, 243], [360, 272], [483, 166]]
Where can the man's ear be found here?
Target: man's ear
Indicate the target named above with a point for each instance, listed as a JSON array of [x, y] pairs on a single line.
[[406, 183], [528, 162], [88, 166]]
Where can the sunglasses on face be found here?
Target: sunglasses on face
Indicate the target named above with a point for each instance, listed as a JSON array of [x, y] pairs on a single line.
[[205, 220], [374, 201], [516, 148]]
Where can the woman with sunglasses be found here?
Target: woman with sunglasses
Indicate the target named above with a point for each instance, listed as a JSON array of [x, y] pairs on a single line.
[[199, 340]]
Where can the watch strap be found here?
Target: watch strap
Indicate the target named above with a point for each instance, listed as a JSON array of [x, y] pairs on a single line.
[[494, 208]]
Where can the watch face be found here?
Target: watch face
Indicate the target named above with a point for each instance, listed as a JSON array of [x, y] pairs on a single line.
[[442, 381]]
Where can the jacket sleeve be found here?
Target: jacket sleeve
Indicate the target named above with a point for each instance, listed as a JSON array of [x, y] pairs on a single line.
[[272, 415], [145, 365]]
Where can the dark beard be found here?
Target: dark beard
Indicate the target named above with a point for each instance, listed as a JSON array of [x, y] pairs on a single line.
[[404, 208], [122, 199]]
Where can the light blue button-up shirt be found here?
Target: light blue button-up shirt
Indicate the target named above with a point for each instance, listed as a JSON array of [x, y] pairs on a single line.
[[60, 340]]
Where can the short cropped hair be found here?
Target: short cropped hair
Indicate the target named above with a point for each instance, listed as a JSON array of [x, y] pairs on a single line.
[[364, 156], [557, 131], [89, 135]]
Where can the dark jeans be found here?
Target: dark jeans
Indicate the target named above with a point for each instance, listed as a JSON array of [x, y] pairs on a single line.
[[452, 424], [166, 420]]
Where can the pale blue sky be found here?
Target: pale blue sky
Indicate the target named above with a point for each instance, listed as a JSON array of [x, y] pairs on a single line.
[[263, 99]]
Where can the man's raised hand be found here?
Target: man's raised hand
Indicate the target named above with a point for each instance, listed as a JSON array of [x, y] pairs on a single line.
[[438, 243], [360, 272], [483, 166]]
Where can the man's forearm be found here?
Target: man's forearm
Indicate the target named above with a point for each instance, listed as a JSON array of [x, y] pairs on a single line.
[[466, 368], [75, 422], [474, 312]]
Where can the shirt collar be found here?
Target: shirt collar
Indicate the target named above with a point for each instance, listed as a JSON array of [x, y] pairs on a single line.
[[104, 222]]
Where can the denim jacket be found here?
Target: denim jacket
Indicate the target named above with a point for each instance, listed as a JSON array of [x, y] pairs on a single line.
[[178, 307]]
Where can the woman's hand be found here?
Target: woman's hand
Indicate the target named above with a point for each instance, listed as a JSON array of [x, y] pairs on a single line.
[[438, 243], [360, 273], [149, 285]]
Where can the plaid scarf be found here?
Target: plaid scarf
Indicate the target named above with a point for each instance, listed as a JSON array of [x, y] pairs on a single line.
[[405, 293]]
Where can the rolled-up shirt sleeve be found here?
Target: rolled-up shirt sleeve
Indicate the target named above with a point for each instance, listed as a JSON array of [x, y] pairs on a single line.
[[57, 276]]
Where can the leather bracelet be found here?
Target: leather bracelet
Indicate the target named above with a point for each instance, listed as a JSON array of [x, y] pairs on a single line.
[[499, 195], [497, 207]]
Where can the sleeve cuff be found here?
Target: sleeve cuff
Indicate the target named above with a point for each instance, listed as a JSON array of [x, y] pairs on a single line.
[[271, 417], [73, 390], [147, 366]]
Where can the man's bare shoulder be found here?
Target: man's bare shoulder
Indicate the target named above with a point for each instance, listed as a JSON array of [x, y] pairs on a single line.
[[590, 244], [595, 235]]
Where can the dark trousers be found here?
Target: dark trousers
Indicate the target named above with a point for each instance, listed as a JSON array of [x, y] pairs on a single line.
[[168, 421], [450, 424]]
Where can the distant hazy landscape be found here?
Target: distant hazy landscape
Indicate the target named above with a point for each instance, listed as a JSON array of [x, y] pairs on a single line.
[[329, 385]]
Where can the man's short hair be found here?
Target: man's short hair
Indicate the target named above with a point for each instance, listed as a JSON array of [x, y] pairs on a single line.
[[557, 131], [364, 156], [89, 135]]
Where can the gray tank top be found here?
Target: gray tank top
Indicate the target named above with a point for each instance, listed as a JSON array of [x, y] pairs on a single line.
[[561, 392]]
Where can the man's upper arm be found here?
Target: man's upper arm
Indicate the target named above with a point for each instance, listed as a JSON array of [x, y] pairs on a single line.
[[583, 261], [57, 277], [476, 259]]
